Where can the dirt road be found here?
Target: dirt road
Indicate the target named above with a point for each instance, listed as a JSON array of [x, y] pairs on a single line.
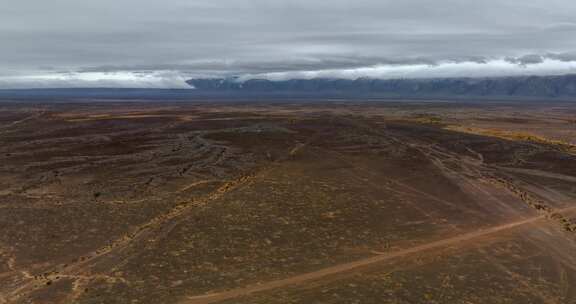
[[248, 290]]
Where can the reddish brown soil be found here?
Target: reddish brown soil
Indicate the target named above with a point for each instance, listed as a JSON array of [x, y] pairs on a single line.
[[286, 203]]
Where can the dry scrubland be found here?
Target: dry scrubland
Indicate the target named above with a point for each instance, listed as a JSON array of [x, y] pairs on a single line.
[[287, 203]]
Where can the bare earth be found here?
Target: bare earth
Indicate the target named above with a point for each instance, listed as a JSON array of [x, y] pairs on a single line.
[[316, 202]]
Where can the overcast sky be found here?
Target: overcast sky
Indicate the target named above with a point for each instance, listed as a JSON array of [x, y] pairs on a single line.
[[145, 43]]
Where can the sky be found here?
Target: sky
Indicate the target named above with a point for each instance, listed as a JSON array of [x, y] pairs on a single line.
[[146, 43]]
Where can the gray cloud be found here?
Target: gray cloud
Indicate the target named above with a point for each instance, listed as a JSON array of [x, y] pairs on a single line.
[[238, 37]]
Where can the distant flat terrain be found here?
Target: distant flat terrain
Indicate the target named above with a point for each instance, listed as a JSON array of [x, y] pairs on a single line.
[[287, 202]]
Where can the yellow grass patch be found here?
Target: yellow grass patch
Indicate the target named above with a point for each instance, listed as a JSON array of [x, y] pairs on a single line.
[[514, 135]]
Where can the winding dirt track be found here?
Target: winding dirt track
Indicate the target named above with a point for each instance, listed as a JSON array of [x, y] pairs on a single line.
[[83, 266], [248, 290], [112, 253]]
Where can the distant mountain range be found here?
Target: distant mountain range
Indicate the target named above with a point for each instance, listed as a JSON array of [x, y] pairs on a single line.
[[214, 89], [504, 87]]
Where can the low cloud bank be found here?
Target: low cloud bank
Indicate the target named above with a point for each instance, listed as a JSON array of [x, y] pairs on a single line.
[[176, 79], [142, 80], [493, 68]]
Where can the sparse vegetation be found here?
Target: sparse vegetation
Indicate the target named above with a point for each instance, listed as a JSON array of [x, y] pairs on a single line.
[[298, 204], [517, 136]]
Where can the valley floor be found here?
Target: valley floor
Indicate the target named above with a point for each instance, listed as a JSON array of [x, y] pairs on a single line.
[[377, 202]]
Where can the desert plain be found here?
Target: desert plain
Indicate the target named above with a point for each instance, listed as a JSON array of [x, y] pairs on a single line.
[[288, 202]]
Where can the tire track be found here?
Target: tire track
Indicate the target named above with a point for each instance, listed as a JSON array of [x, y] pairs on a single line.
[[257, 288]]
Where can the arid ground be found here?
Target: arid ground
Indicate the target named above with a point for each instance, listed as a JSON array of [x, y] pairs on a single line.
[[300, 203]]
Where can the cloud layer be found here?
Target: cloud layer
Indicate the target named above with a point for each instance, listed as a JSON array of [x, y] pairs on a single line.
[[155, 43], [163, 80], [493, 68]]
